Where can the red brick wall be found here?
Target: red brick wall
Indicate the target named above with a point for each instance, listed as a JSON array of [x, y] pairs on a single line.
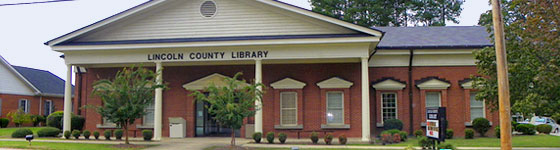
[[10, 104], [456, 99]]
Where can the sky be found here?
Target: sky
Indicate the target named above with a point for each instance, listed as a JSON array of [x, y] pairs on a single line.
[[24, 28]]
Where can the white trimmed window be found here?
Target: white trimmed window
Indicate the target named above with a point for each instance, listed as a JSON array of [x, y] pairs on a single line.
[[48, 107], [477, 107], [149, 117], [433, 99], [335, 108], [389, 106], [24, 105], [288, 108]]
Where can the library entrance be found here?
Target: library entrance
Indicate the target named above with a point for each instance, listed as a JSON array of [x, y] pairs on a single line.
[[206, 126]]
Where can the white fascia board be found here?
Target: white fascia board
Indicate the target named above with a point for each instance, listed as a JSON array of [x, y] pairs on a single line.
[[322, 17], [434, 84], [19, 75], [218, 43], [109, 20], [467, 85], [426, 52]]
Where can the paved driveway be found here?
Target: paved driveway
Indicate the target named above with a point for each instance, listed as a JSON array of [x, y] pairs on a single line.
[[195, 143]]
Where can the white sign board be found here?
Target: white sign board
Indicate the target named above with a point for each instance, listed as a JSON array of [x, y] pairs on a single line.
[[432, 128]]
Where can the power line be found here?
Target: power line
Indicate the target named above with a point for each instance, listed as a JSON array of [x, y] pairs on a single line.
[[41, 2]]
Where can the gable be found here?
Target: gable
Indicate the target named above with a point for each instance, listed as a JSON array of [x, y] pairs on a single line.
[[202, 83], [432, 83], [288, 83], [234, 18], [11, 83], [334, 83], [389, 84]]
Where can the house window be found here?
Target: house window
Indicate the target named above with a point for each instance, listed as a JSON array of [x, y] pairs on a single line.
[[335, 108], [389, 106], [477, 107], [48, 107], [433, 99], [149, 117], [288, 108], [24, 105]]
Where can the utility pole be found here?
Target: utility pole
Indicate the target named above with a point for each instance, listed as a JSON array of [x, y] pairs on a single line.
[[503, 81]]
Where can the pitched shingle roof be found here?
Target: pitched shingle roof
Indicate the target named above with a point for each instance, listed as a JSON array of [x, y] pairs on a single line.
[[46, 82], [434, 37]]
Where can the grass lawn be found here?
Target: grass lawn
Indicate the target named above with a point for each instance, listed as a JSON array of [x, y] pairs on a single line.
[[518, 141], [56, 146], [222, 148], [7, 132]]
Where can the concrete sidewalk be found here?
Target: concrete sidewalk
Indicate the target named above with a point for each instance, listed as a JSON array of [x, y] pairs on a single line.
[[375, 147]]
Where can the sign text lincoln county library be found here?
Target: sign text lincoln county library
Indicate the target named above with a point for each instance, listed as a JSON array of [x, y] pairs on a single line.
[[208, 55]]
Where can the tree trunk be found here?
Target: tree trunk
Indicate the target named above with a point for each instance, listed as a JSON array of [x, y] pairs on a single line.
[[232, 137], [126, 134]]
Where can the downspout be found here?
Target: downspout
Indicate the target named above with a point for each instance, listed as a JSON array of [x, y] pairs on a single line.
[[410, 109]]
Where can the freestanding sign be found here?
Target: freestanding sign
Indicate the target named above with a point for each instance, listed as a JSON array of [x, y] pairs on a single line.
[[436, 123]]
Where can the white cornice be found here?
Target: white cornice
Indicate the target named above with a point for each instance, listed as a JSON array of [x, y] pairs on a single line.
[[467, 85], [434, 84], [389, 84], [288, 83], [334, 83]]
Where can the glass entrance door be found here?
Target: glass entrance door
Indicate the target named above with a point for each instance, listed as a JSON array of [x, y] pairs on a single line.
[[206, 126]]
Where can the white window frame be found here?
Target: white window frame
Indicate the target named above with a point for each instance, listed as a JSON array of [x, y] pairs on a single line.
[[426, 98], [470, 106], [26, 108], [396, 105], [296, 109], [50, 107], [144, 122], [342, 107]]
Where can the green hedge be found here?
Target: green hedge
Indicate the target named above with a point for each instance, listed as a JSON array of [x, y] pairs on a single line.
[[147, 134], [526, 129], [270, 137], [118, 134], [55, 120], [544, 128], [49, 132], [4, 122], [469, 134], [21, 133], [392, 124], [481, 126], [257, 136], [449, 134]]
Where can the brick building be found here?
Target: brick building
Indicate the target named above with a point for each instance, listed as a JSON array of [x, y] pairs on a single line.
[[321, 74], [34, 91]]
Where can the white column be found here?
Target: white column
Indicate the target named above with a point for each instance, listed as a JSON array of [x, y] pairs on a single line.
[[158, 103], [67, 99], [365, 100], [258, 103]]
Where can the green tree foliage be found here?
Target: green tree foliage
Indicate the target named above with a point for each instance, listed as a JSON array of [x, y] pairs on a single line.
[[532, 43], [19, 117], [126, 97], [370, 13], [232, 103]]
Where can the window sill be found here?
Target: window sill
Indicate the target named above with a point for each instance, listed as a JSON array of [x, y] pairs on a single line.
[[105, 126], [379, 125], [281, 127], [138, 126], [341, 126]]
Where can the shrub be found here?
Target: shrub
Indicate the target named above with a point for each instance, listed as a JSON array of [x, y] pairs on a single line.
[[96, 135], [544, 128], [55, 119], [19, 117], [526, 129], [87, 134], [76, 134], [328, 139], [418, 133], [396, 138], [147, 134], [449, 134], [497, 131], [425, 143], [386, 138], [282, 137], [67, 134], [513, 125], [404, 135], [481, 126], [36, 119], [48, 132], [4, 122], [257, 136], [21, 133], [391, 132], [77, 122], [446, 146], [342, 139], [392, 124], [270, 137], [314, 137], [118, 134], [469, 134], [108, 134]]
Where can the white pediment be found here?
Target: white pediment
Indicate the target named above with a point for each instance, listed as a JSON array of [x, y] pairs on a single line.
[[288, 83], [389, 84], [334, 82], [202, 83], [433, 84], [467, 85]]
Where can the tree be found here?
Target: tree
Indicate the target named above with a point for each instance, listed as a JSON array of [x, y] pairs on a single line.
[[126, 97], [232, 103], [370, 13], [532, 43], [19, 117]]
